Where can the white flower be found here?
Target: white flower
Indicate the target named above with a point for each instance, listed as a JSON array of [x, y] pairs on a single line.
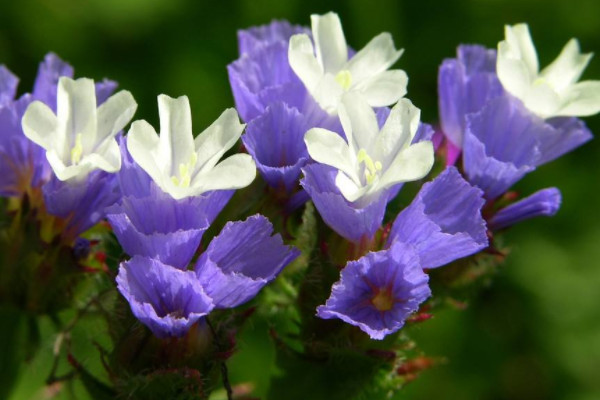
[[183, 166], [372, 160], [554, 91], [80, 137], [329, 74]]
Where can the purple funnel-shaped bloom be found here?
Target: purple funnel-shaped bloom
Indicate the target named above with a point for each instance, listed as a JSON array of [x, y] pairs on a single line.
[[443, 222], [263, 77], [242, 259], [351, 222], [159, 227], [501, 145], [81, 204], [276, 142], [379, 291], [465, 85], [249, 40], [167, 300], [8, 86], [545, 202]]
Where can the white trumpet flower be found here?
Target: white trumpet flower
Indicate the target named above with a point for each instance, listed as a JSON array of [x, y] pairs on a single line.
[[554, 91], [327, 73], [183, 166], [372, 160], [80, 137]]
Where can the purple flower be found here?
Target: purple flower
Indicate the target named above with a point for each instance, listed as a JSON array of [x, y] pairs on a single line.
[[545, 202], [275, 140], [159, 227], [379, 291], [80, 204], [465, 85], [352, 222], [501, 145], [242, 259], [165, 299], [443, 222]]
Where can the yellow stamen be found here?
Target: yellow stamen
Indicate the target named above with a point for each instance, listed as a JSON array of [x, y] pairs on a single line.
[[77, 150], [185, 176], [371, 168], [383, 299], [344, 79]]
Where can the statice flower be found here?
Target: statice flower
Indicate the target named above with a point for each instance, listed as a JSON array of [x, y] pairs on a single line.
[[238, 262], [183, 166], [328, 72], [354, 179], [80, 137], [554, 91], [379, 291], [543, 203]]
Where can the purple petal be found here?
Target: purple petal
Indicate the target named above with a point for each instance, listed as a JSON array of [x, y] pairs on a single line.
[[543, 203], [394, 272], [46, 82], [81, 204], [351, 222], [165, 299], [501, 145], [263, 77], [276, 142], [249, 40], [8, 85], [159, 227], [241, 260], [104, 90], [569, 133], [443, 222], [465, 85]]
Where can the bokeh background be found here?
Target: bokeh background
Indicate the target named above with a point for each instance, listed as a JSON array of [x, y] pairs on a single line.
[[534, 333]]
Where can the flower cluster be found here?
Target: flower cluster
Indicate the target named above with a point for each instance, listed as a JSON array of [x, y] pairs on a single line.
[[324, 125]]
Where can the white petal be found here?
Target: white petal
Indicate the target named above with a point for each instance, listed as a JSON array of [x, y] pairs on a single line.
[[512, 72], [377, 56], [67, 173], [567, 68], [385, 88], [581, 99], [329, 148], [176, 137], [39, 125], [108, 160], [542, 100], [76, 113], [143, 144], [348, 187], [398, 131], [235, 172], [519, 39], [301, 56], [114, 114], [411, 164], [328, 93], [332, 51], [358, 118], [215, 140]]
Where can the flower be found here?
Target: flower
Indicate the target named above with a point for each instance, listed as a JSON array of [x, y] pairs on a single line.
[[554, 91], [183, 166], [545, 202], [379, 291], [327, 72], [443, 222], [165, 299], [79, 138], [372, 160], [242, 259]]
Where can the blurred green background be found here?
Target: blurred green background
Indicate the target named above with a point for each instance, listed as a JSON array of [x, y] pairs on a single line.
[[535, 332]]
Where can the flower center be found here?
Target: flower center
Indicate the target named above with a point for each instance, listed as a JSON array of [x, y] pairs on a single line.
[[371, 168], [77, 150], [185, 172], [383, 299], [344, 79]]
